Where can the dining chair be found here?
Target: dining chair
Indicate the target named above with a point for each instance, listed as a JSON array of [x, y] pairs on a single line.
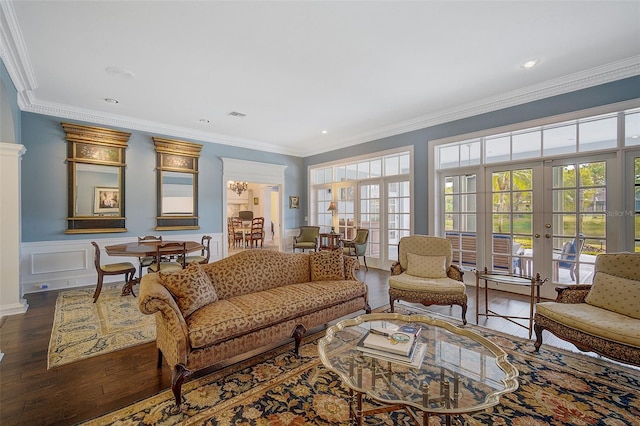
[[257, 231], [126, 268], [174, 248], [237, 230], [203, 258], [145, 261]]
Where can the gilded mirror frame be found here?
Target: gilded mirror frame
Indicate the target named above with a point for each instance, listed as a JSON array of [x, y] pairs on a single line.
[[103, 204], [174, 156]]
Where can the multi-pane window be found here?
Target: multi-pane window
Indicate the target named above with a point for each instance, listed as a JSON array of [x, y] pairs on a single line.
[[575, 136]]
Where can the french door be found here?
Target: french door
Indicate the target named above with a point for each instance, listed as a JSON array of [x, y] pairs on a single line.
[[545, 217]]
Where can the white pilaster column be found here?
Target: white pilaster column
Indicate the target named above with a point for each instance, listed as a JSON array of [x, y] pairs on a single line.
[[11, 301]]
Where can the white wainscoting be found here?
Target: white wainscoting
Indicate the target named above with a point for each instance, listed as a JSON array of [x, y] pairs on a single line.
[[54, 265]]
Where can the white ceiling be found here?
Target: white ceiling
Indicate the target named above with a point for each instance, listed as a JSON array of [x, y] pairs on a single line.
[[361, 70]]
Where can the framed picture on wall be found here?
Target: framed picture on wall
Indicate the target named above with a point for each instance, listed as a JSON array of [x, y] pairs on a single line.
[[294, 202], [256, 200], [106, 200]]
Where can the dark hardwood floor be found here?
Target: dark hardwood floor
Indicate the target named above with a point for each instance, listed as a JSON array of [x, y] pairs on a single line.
[[32, 395]]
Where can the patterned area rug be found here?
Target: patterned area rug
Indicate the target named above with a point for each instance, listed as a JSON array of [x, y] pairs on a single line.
[[82, 329], [557, 387]]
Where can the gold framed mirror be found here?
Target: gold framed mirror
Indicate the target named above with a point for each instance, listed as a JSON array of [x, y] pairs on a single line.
[[177, 184], [96, 161]]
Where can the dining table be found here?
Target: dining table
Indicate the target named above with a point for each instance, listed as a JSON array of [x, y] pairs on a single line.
[[144, 249]]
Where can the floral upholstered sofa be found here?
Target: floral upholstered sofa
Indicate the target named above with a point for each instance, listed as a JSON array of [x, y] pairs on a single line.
[[209, 313], [603, 317]]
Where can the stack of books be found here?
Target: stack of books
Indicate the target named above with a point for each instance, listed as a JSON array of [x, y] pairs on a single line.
[[396, 345]]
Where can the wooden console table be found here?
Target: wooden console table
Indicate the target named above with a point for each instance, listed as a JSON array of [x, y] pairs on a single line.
[[329, 241], [499, 278]]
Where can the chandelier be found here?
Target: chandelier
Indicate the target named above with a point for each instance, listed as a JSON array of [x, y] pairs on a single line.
[[238, 187]]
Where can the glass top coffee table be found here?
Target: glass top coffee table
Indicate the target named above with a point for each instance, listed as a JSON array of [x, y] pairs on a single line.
[[461, 372]]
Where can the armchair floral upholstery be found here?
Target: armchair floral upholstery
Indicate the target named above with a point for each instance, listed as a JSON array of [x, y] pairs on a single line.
[[424, 274], [603, 317]]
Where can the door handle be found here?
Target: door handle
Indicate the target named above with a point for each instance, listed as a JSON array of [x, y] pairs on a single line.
[[536, 235], [547, 235]]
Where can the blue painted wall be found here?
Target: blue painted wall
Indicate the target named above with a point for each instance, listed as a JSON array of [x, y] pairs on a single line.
[[44, 182], [617, 91]]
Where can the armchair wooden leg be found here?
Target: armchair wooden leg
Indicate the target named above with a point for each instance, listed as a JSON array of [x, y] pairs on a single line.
[[538, 329]]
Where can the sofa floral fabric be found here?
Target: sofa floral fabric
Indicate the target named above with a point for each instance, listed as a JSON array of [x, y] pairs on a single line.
[[326, 265], [615, 294], [262, 297], [191, 288], [426, 266]]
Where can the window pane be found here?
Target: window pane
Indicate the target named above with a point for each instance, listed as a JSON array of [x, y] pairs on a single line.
[[352, 171], [451, 203], [468, 222], [598, 134], [470, 153], [502, 223], [468, 203], [363, 170], [632, 129], [593, 225], [404, 164], [468, 183], [564, 200], [391, 166], [449, 156], [498, 149], [522, 224], [526, 145], [341, 173], [565, 224], [559, 140], [564, 176], [376, 168]]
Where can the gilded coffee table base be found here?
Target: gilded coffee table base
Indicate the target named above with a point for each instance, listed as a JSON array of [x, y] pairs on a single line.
[[446, 399]]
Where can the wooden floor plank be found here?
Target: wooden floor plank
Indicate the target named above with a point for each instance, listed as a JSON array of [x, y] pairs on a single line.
[[32, 395]]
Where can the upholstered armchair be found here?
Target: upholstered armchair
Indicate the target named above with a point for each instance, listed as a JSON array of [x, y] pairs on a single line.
[[424, 274], [603, 317], [307, 239], [358, 246]]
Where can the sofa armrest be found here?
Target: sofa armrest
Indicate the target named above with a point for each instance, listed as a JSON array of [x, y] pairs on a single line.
[[350, 266], [171, 328], [396, 268], [573, 293], [454, 272]]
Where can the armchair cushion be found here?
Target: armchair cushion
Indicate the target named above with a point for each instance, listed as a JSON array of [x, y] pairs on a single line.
[[191, 288], [580, 316], [426, 266], [408, 282], [326, 265], [615, 294]]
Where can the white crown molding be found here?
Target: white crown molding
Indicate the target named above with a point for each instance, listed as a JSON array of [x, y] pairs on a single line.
[[16, 60], [14, 53], [614, 71]]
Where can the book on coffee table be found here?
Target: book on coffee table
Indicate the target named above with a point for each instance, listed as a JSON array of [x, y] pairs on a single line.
[[389, 340], [414, 359]]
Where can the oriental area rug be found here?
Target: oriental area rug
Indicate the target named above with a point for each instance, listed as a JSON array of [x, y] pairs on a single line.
[[83, 329], [557, 387]]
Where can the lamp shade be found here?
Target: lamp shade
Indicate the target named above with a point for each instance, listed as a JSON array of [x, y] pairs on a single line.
[[332, 206]]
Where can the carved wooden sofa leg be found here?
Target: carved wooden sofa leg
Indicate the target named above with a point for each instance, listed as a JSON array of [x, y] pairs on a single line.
[[298, 334], [159, 365], [177, 378]]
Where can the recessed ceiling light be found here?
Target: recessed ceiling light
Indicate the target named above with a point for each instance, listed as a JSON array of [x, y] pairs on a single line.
[[112, 70], [530, 63], [324, 132], [111, 101], [237, 114], [204, 121]]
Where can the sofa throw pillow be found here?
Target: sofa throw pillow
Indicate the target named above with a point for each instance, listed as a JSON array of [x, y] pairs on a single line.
[[191, 288], [615, 294], [326, 265], [426, 266]]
